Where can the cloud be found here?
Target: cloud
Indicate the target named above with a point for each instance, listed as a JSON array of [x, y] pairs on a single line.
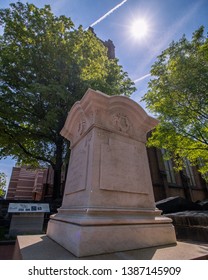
[[142, 78], [108, 13]]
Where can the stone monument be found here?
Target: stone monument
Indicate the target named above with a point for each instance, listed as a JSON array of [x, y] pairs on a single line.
[[108, 203]]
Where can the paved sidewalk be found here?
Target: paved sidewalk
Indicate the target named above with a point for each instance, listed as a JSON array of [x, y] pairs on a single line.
[[41, 247]]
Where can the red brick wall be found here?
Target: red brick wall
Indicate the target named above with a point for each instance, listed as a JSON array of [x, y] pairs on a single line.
[[27, 184]]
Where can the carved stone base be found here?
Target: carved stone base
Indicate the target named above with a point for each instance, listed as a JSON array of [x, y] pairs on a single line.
[[96, 232]]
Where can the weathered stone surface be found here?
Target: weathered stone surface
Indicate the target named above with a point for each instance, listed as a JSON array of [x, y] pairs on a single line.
[[108, 203], [40, 247]]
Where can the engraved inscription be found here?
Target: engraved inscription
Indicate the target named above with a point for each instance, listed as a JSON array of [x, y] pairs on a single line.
[[76, 178], [123, 168]]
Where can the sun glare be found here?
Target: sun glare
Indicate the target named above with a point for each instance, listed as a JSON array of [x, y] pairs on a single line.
[[139, 29]]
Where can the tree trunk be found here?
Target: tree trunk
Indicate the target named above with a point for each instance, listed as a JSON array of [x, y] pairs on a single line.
[[57, 168]]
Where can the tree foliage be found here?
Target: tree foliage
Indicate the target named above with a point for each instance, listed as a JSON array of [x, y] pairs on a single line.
[[45, 66], [178, 96], [2, 184]]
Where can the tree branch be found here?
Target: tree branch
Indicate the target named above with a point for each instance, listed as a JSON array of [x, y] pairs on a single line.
[[29, 131], [26, 151]]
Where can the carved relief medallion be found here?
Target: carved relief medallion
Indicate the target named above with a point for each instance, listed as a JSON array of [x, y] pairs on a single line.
[[121, 122]]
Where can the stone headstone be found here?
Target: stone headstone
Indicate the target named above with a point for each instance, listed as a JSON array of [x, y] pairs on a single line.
[[108, 203]]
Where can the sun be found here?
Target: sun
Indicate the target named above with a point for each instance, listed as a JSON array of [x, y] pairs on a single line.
[[139, 29]]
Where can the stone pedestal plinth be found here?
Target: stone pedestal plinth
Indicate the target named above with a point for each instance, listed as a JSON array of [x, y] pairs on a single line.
[[108, 203]]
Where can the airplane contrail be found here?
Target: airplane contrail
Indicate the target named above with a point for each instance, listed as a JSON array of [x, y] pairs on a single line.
[[142, 78], [108, 13]]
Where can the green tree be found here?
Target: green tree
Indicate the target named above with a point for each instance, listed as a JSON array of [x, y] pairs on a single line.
[[2, 184], [45, 66], [178, 96]]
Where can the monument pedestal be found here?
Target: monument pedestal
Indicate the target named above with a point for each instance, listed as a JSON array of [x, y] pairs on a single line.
[[94, 233], [108, 203]]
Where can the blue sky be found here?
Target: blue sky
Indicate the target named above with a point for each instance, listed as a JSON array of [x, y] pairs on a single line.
[[167, 20]]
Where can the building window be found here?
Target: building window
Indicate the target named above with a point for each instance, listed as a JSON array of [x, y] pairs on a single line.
[[189, 173], [169, 169], [201, 165]]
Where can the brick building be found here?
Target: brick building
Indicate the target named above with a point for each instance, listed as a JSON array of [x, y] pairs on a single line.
[[30, 184], [166, 182]]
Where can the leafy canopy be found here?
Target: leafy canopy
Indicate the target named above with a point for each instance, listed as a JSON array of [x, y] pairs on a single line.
[[178, 96], [45, 66], [2, 184]]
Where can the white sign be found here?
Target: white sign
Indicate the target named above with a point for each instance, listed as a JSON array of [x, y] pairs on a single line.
[[28, 207]]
